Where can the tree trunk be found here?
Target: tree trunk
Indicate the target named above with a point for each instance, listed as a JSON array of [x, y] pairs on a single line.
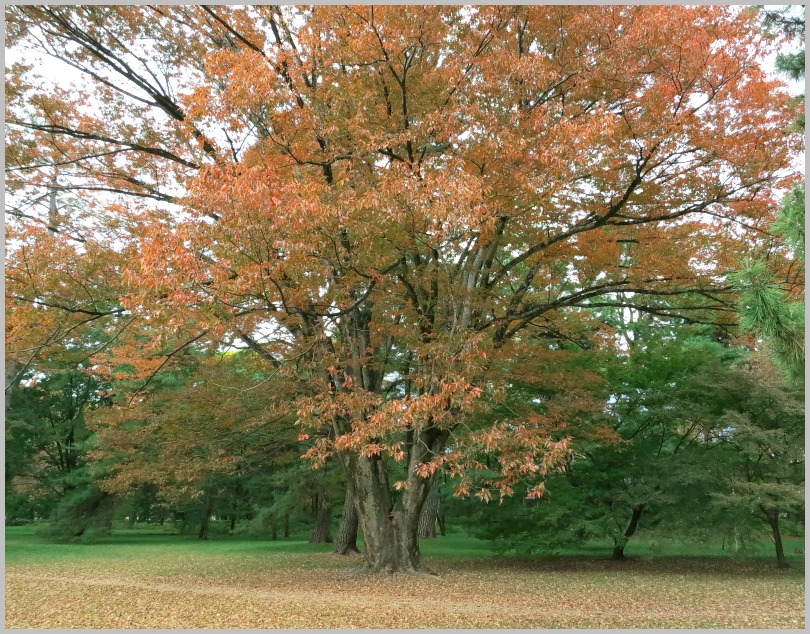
[[286, 525], [203, 534], [430, 513], [347, 537], [441, 519], [773, 521], [274, 533], [233, 522], [390, 529], [322, 531], [207, 510], [618, 548], [179, 516], [97, 499], [12, 367], [620, 542]]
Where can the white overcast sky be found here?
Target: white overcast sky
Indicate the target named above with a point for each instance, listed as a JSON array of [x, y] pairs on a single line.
[[60, 73]]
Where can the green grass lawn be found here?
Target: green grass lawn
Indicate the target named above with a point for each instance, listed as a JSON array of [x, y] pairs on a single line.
[[134, 546], [146, 578], [25, 546]]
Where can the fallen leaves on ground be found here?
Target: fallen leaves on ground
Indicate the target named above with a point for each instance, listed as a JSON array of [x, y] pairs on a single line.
[[320, 591]]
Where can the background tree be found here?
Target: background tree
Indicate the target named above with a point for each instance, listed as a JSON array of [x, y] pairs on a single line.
[[764, 432], [642, 462], [772, 298], [199, 432], [47, 446], [788, 24]]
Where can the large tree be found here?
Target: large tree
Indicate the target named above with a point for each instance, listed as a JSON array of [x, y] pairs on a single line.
[[383, 202]]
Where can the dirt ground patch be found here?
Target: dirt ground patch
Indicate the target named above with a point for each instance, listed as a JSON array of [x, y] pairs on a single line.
[[303, 594]]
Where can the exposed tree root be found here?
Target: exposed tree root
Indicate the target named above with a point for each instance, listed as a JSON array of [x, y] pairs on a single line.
[[388, 570]]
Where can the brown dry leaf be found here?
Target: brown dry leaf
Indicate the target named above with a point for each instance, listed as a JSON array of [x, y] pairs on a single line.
[[319, 591]]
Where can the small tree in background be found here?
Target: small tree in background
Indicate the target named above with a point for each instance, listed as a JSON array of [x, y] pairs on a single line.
[[762, 436]]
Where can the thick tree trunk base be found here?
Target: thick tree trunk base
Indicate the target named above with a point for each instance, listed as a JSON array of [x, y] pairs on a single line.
[[346, 542], [390, 526]]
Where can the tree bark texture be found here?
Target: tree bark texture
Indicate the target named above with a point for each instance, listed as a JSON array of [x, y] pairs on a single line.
[[621, 542], [322, 531], [430, 513], [390, 528], [347, 537]]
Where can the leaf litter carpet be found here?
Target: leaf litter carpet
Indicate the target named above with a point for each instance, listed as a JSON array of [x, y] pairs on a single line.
[[321, 591]]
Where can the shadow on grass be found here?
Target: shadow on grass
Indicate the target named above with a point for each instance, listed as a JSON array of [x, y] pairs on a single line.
[[649, 564]]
